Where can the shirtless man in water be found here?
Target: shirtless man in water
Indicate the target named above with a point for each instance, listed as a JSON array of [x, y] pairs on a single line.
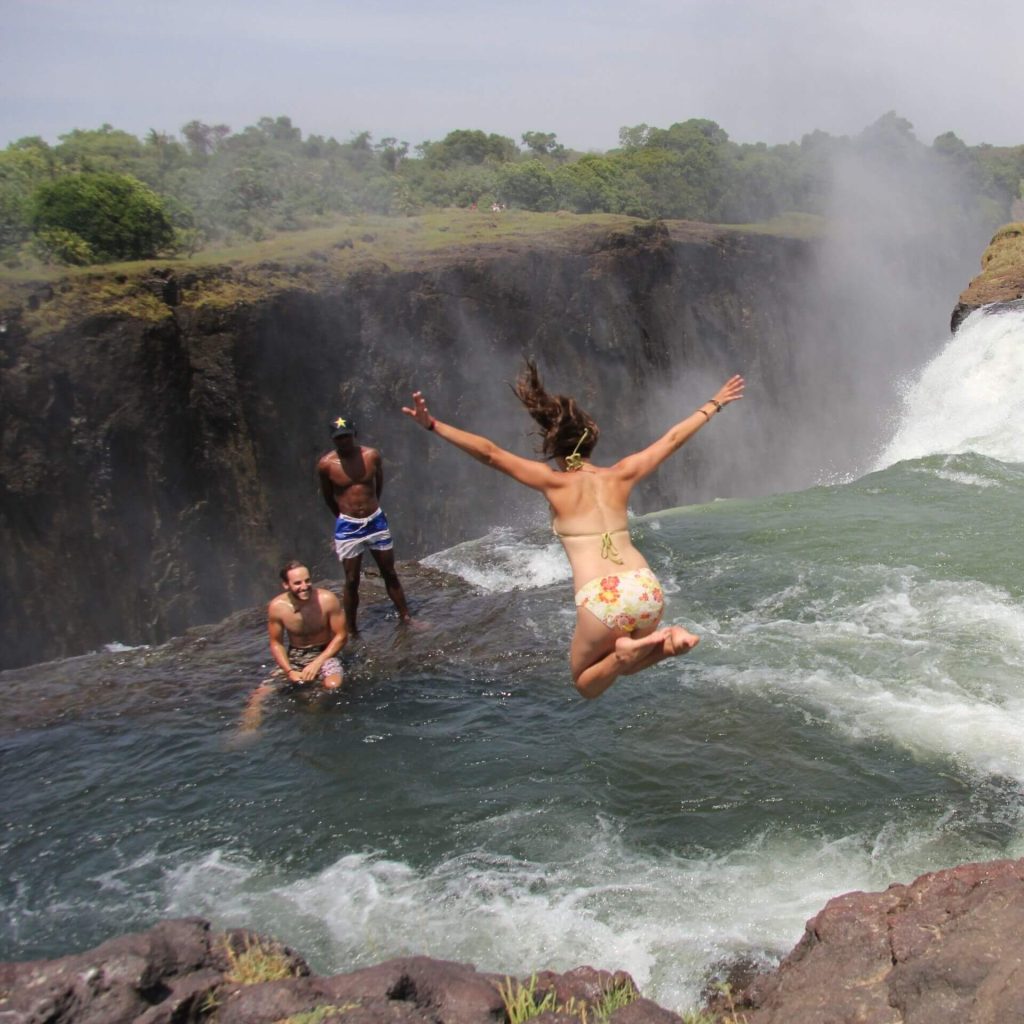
[[351, 481], [315, 624], [316, 629]]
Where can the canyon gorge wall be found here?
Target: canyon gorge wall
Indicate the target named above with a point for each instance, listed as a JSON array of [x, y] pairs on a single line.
[[156, 470]]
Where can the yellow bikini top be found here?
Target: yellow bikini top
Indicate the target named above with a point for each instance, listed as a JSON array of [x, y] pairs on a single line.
[[608, 549]]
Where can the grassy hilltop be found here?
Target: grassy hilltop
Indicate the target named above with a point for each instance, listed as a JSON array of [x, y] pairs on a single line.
[[50, 297]]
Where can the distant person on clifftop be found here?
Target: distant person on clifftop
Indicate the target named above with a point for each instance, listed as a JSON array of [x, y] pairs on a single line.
[[351, 480], [619, 601], [315, 624]]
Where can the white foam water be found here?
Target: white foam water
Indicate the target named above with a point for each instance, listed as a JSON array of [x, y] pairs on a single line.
[[969, 398], [932, 666], [503, 560], [664, 919]]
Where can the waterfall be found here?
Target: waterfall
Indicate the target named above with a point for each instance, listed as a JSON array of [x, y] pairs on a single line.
[[970, 397]]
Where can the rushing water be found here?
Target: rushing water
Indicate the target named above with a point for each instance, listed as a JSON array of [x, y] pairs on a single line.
[[853, 716]]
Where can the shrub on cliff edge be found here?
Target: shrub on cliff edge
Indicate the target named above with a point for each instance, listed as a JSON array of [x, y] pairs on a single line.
[[117, 216]]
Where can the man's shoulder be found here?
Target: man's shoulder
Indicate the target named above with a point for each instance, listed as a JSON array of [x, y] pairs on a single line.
[[324, 459], [327, 598], [276, 605]]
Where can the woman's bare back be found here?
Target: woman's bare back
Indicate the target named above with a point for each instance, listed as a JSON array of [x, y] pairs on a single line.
[[589, 517]]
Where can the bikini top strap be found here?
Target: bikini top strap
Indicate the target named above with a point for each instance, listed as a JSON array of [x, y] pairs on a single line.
[[575, 461]]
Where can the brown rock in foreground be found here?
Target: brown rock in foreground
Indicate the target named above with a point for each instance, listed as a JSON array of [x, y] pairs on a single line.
[[945, 949], [181, 972]]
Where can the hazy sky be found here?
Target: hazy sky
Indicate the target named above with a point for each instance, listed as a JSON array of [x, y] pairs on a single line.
[[765, 70]]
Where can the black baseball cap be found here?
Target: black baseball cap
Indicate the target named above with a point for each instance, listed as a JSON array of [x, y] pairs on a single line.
[[342, 425]]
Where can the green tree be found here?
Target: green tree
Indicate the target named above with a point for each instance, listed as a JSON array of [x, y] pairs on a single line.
[[600, 184], [392, 153], [633, 137], [118, 216], [1004, 166], [891, 137], [102, 149], [24, 166], [55, 245], [465, 146], [685, 136], [543, 144], [686, 167], [203, 139], [674, 188], [280, 129], [528, 185]]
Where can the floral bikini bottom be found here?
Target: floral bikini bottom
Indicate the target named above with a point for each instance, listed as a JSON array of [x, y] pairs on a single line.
[[627, 600]]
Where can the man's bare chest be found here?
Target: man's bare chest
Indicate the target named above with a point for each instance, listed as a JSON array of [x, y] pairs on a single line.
[[302, 623], [352, 472]]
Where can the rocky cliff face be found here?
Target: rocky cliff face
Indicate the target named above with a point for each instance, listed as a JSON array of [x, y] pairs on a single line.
[[1002, 274], [157, 469]]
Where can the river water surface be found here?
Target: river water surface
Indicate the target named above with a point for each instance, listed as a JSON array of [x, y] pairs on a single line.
[[853, 716]]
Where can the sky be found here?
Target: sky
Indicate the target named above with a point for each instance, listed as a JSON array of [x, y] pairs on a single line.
[[764, 70]]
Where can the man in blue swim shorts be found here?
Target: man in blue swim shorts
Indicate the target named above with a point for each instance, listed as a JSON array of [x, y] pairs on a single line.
[[351, 481]]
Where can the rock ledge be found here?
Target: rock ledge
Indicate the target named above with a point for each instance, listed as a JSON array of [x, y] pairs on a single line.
[[943, 950]]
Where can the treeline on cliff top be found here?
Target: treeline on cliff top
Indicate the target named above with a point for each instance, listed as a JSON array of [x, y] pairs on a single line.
[[104, 194]]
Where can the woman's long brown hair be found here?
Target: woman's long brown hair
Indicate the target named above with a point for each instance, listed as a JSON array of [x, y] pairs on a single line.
[[562, 422]]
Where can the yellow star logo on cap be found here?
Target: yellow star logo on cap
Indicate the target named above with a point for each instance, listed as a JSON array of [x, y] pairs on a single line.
[[340, 422]]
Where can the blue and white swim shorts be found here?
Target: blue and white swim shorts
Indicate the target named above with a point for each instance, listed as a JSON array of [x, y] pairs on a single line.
[[351, 536]]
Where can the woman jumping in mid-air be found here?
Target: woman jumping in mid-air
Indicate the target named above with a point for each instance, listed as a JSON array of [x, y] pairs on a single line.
[[618, 599]]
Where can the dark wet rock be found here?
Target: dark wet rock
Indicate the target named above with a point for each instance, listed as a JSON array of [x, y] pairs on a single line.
[[961, 311]]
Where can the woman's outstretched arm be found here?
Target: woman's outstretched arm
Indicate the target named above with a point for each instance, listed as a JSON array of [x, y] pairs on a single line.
[[526, 471], [640, 464]]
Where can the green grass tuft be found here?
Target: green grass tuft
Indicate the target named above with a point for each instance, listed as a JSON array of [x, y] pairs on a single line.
[[256, 963], [521, 1002]]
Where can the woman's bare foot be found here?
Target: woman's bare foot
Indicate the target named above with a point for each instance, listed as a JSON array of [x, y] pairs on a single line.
[[635, 655], [679, 641], [629, 651]]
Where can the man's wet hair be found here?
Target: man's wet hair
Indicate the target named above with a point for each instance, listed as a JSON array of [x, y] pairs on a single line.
[[293, 564]]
